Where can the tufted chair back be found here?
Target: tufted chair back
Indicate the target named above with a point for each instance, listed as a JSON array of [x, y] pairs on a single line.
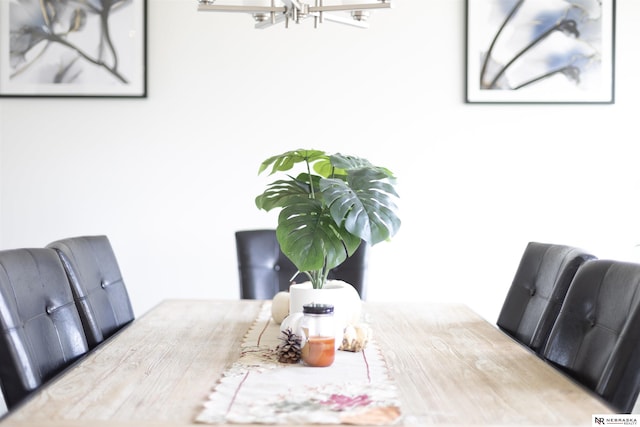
[[264, 270], [98, 288], [596, 338], [40, 329], [538, 290]]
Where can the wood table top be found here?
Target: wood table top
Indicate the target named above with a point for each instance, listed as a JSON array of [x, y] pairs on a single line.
[[450, 365]]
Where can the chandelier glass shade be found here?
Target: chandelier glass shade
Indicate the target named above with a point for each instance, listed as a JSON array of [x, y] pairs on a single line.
[[267, 13]]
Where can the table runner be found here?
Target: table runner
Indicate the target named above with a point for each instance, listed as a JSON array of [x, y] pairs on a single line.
[[356, 389]]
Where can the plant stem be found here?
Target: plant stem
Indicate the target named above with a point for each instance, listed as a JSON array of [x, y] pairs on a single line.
[[495, 39], [562, 70], [104, 18], [526, 48], [325, 274], [313, 193], [62, 41]]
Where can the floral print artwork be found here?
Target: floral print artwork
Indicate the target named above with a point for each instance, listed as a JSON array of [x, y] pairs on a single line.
[[540, 49], [73, 43]]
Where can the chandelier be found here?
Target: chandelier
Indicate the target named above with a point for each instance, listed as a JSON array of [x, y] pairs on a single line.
[[287, 11]]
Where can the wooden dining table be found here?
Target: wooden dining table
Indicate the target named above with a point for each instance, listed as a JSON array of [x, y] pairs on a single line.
[[450, 367]]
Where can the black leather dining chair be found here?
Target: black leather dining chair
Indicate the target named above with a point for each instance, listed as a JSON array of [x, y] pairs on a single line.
[[264, 270], [41, 331], [98, 288], [538, 290], [596, 338]]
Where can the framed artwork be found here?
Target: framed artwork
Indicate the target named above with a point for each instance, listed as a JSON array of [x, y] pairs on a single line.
[[540, 51], [62, 48]]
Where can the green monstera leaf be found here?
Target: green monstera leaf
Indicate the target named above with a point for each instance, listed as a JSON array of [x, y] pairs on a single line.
[[282, 193], [311, 239], [286, 161], [364, 204]]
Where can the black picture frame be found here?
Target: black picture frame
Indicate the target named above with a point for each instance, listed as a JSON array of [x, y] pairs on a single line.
[[548, 51], [57, 48]]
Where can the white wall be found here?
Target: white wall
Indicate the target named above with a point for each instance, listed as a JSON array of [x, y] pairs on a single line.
[[170, 178]]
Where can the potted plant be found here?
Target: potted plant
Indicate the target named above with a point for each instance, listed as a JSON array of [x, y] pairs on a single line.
[[331, 206], [334, 203]]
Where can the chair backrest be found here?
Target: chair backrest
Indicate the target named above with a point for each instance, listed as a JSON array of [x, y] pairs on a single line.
[[538, 290], [596, 338], [264, 270], [97, 285], [41, 331]]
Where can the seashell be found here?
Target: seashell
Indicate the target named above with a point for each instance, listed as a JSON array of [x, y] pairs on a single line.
[[356, 337]]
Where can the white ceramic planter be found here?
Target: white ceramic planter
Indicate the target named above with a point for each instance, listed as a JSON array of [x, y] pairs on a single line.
[[343, 296]]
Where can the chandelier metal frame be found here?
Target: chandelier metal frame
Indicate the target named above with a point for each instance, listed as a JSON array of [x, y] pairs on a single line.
[[297, 11]]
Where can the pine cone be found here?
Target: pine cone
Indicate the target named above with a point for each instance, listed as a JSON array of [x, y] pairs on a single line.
[[289, 350]]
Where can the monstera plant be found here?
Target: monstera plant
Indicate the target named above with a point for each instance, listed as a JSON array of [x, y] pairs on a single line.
[[333, 204]]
